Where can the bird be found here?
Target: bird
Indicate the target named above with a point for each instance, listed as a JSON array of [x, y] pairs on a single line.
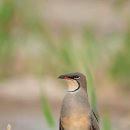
[[76, 113]]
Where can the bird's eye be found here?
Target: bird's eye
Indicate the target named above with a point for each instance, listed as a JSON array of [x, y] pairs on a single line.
[[76, 77]]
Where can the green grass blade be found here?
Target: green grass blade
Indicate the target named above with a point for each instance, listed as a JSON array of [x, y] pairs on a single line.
[[106, 123], [45, 107], [46, 111]]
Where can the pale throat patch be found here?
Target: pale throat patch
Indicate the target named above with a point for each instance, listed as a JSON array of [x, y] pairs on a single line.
[[73, 85]]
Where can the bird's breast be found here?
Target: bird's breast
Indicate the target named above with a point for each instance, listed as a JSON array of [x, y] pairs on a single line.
[[76, 122], [75, 112]]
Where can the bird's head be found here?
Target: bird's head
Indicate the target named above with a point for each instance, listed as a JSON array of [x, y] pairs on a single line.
[[74, 80]]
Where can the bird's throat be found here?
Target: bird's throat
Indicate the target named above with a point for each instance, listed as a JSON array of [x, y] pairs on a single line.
[[73, 85]]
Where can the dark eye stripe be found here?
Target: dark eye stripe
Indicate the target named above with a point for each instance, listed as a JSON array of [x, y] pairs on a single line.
[[75, 77]]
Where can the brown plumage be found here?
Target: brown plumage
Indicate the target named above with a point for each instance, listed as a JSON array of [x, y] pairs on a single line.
[[76, 113]]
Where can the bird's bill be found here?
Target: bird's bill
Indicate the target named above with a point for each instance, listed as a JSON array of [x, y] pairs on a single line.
[[64, 77]]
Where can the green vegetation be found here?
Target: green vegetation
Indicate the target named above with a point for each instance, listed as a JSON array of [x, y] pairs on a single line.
[[106, 123], [46, 110], [6, 49], [121, 63]]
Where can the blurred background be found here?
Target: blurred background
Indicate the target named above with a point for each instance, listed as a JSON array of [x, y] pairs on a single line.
[[40, 40]]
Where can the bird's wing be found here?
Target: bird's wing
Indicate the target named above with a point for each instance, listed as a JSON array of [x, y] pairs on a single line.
[[95, 115], [94, 122], [60, 126]]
